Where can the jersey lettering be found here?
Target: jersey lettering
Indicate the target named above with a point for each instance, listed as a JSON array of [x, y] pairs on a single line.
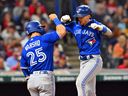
[[89, 33], [84, 32], [32, 44]]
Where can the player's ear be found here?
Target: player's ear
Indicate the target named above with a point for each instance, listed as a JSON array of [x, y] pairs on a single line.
[[90, 16], [29, 36]]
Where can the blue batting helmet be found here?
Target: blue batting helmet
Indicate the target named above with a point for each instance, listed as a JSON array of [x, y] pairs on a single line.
[[34, 26], [83, 10]]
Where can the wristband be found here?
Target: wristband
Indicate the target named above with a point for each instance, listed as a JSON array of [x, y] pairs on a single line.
[[104, 29], [57, 21]]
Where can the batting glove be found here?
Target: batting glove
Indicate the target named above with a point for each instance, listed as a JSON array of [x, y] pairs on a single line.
[[65, 19], [96, 26]]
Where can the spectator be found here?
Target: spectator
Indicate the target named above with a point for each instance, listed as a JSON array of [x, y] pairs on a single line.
[[38, 14], [56, 55], [111, 6], [12, 62], [1, 9], [126, 8], [2, 68], [59, 57], [119, 50], [113, 40], [25, 17], [100, 11], [10, 33], [46, 23], [125, 62], [62, 63], [18, 10], [2, 48], [7, 19], [119, 14], [35, 4], [9, 47]]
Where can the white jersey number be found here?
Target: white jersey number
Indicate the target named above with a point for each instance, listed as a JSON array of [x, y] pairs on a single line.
[[38, 53]]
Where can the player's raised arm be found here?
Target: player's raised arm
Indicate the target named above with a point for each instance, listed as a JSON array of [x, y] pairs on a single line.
[[102, 28], [59, 27]]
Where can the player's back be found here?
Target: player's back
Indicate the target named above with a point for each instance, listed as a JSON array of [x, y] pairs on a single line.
[[39, 54]]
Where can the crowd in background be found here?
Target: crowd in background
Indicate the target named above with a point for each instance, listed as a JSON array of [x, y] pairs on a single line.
[[13, 17], [14, 14]]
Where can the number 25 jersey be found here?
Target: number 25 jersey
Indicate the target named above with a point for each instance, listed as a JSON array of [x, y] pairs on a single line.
[[37, 53]]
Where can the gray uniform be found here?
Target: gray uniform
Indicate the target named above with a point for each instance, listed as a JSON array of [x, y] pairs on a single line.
[[41, 84]]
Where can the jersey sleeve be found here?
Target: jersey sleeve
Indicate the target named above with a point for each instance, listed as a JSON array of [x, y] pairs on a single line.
[[51, 37], [23, 65], [69, 26]]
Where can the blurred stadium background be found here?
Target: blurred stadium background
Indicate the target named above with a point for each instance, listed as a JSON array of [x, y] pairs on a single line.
[[14, 14]]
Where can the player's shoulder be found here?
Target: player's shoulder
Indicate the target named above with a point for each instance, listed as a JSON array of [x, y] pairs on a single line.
[[23, 49], [70, 24], [48, 34]]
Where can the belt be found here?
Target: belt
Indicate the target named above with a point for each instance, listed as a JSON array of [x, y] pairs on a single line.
[[42, 72], [86, 57]]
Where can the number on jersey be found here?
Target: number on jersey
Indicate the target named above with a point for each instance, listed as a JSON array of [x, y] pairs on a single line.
[[39, 54]]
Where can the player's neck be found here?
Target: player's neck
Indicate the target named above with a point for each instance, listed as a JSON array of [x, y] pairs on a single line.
[[35, 34], [87, 22]]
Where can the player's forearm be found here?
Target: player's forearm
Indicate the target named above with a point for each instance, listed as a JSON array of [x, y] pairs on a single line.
[[60, 28], [102, 28], [107, 31]]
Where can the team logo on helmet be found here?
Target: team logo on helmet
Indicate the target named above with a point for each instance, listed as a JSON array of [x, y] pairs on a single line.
[[34, 26], [82, 10], [79, 10]]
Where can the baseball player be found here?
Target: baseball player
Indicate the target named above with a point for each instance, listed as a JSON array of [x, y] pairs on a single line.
[[87, 32], [37, 57]]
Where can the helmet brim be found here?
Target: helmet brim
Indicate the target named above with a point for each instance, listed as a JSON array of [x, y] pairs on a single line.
[[80, 15]]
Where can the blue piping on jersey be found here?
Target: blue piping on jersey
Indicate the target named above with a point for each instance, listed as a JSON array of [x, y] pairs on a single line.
[[83, 82]]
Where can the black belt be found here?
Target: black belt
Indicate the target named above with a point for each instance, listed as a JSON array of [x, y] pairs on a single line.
[[86, 57]]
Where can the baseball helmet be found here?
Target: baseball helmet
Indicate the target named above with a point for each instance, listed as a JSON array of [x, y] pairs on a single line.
[[34, 26], [83, 10]]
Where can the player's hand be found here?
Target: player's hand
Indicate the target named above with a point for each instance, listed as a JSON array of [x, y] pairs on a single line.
[[52, 16], [96, 26], [65, 19], [26, 78]]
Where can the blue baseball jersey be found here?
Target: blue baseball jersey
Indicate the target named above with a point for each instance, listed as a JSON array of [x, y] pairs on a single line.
[[37, 53], [88, 39]]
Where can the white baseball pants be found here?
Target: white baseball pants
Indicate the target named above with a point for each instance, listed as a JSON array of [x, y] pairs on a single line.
[[41, 85], [86, 80]]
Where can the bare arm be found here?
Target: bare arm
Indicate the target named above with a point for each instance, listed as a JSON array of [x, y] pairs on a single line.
[[108, 33], [60, 29], [102, 28]]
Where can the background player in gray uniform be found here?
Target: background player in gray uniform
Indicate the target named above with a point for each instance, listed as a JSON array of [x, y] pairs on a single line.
[[87, 32], [37, 57]]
